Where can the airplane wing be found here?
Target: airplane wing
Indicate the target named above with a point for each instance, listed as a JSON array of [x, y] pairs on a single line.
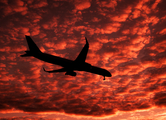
[[68, 72], [82, 56]]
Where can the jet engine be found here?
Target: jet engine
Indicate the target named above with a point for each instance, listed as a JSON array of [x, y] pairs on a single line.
[[71, 73]]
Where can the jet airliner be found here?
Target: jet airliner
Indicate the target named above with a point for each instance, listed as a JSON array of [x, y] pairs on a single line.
[[69, 66]]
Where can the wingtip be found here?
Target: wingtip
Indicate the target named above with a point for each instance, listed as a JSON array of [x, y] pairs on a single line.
[[86, 40]]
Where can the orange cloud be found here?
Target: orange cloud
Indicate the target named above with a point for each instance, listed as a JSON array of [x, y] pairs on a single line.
[[15, 6], [123, 16], [110, 28], [126, 38], [136, 13], [127, 31], [51, 24], [155, 4], [81, 5], [2, 65], [162, 32], [95, 46], [35, 31], [109, 4], [153, 19], [120, 18], [39, 4]]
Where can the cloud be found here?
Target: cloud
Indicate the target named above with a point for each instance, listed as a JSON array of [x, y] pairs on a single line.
[[14, 6], [159, 99], [81, 5], [155, 4], [110, 4], [123, 16], [126, 38], [2, 65], [7, 10], [58, 46], [163, 32], [51, 24], [136, 13], [39, 4], [35, 30], [110, 28]]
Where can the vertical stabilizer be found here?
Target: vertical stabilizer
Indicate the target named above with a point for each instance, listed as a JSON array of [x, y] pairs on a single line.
[[32, 47]]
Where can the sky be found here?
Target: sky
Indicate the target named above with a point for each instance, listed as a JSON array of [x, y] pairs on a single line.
[[126, 37]]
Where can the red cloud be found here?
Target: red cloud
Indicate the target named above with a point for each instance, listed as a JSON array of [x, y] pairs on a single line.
[[126, 38], [162, 32], [81, 5], [160, 99], [51, 24], [136, 13], [141, 3], [7, 10], [39, 4], [127, 31], [4, 2], [108, 4], [155, 4], [154, 20], [120, 18], [35, 30], [110, 28], [2, 65], [59, 46], [123, 16], [15, 6], [20, 9]]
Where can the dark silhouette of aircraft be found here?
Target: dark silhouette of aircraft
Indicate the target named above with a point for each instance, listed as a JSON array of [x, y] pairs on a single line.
[[69, 66]]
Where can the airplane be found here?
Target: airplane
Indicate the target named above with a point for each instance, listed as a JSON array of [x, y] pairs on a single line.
[[69, 66]]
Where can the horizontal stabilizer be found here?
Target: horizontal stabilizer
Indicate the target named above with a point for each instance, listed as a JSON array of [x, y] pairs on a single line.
[[28, 53], [25, 55]]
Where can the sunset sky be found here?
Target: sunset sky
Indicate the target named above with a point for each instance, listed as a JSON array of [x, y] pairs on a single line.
[[126, 37]]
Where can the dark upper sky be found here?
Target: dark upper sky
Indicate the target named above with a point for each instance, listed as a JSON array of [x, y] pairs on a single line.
[[126, 37]]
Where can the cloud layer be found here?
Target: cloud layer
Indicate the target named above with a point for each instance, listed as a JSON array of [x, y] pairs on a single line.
[[126, 37]]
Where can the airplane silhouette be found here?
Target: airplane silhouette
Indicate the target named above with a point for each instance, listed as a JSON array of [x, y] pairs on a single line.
[[69, 66]]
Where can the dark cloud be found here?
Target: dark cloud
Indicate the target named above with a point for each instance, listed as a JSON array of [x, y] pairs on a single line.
[[159, 98]]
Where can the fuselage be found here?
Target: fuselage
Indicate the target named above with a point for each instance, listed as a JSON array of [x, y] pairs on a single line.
[[70, 64]]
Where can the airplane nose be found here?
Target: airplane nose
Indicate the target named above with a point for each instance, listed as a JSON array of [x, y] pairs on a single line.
[[109, 74]]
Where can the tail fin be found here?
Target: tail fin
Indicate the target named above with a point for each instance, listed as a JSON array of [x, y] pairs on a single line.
[[32, 47]]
